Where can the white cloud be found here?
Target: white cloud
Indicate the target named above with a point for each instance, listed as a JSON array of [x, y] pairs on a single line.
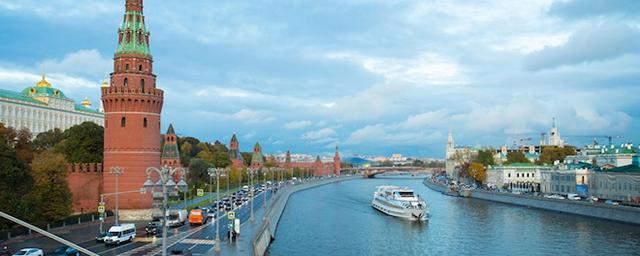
[[252, 116], [83, 63], [298, 124], [380, 134], [63, 8], [319, 134]]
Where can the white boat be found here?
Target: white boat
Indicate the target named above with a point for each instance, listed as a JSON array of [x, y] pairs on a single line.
[[400, 202]]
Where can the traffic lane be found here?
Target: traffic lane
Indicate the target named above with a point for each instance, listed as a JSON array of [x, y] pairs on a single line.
[[208, 233]]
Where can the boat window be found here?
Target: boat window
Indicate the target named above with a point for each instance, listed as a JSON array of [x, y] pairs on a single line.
[[406, 194]]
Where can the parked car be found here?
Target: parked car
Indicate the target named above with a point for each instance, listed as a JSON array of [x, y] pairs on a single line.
[[611, 202], [153, 228], [121, 233], [29, 252], [4, 250], [183, 252], [574, 197], [65, 251], [100, 237]]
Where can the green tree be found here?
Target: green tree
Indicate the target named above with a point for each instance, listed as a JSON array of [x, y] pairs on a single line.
[[82, 143], [23, 145], [387, 163], [15, 182], [198, 172], [50, 186], [185, 152], [221, 159], [550, 154], [246, 158], [47, 140], [485, 157], [516, 157]]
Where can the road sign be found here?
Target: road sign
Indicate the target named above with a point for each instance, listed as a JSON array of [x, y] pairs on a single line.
[[200, 192], [231, 215], [101, 209]]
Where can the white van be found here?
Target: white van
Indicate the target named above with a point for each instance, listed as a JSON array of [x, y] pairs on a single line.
[[574, 197], [121, 233], [177, 217]]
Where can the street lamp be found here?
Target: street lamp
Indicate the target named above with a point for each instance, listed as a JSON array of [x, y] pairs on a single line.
[[165, 180], [251, 172], [264, 173], [217, 172], [117, 171]]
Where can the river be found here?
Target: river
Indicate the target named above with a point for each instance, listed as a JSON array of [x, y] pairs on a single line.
[[337, 219]]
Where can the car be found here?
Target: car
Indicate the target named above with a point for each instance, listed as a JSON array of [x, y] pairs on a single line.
[[611, 202], [65, 251], [29, 252], [153, 228], [100, 237], [183, 252], [4, 250], [574, 197], [121, 233]]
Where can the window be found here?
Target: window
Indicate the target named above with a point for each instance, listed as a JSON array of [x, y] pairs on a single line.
[[126, 82], [123, 122], [142, 84], [126, 67], [140, 68], [144, 121], [509, 175]]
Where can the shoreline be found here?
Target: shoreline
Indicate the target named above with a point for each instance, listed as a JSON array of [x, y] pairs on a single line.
[[623, 214]]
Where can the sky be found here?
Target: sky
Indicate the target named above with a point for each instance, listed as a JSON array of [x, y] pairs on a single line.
[[375, 77]]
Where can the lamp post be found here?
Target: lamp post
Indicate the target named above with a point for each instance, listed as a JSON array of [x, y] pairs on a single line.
[[217, 172], [264, 173], [117, 171], [165, 180], [251, 172]]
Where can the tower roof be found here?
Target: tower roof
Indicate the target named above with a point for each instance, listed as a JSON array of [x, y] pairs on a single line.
[[234, 138], [170, 129], [133, 34], [43, 83]]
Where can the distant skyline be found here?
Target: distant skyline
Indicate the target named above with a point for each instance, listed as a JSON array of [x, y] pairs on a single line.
[[375, 77]]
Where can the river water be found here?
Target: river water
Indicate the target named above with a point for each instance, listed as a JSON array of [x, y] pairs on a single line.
[[337, 219]]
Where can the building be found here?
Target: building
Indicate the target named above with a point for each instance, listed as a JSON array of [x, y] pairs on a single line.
[[170, 151], [257, 160], [455, 156], [42, 107], [554, 136], [234, 153], [570, 178], [604, 156], [336, 163], [132, 105], [620, 183], [516, 177]]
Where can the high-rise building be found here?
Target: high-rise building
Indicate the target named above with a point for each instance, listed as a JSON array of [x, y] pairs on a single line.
[[132, 105], [336, 163]]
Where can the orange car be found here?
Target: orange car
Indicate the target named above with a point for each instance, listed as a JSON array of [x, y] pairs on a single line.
[[196, 218]]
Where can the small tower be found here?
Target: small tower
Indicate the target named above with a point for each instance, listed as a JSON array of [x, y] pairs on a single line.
[[450, 151], [170, 151], [318, 170], [234, 152], [287, 160], [256, 158], [336, 163]]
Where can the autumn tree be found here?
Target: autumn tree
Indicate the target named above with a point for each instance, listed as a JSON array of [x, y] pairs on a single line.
[[477, 171], [15, 183], [47, 140], [50, 186], [550, 154]]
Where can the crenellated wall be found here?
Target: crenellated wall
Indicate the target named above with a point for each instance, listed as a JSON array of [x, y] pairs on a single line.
[[85, 183]]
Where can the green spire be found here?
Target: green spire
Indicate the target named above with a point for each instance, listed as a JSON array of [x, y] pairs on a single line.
[[257, 154], [170, 130], [133, 35]]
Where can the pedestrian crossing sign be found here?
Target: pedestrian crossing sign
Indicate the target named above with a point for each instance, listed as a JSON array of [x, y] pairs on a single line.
[[231, 215], [200, 192]]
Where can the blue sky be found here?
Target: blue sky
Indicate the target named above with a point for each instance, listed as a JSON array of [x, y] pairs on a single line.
[[374, 76]]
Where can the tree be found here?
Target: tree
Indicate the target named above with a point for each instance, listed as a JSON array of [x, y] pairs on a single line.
[[417, 163], [516, 157], [477, 171], [485, 157], [221, 159], [387, 163], [15, 183], [246, 158], [185, 152], [8, 135], [47, 140], [198, 172], [50, 186], [23, 145], [550, 154], [82, 143]]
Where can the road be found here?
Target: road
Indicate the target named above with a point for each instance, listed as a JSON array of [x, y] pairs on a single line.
[[199, 239]]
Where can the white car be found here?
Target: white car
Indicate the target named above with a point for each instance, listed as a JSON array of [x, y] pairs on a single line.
[[29, 252]]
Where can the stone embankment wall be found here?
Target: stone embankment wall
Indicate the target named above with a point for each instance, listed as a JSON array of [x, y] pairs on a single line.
[[268, 231], [597, 210]]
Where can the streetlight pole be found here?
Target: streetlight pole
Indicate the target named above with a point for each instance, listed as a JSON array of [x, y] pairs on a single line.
[[117, 171], [217, 172], [264, 173], [251, 171], [166, 179]]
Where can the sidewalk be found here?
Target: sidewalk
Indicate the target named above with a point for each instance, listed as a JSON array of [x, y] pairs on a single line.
[[248, 231]]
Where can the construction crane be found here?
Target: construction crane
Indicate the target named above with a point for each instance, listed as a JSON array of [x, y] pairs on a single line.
[[595, 141]]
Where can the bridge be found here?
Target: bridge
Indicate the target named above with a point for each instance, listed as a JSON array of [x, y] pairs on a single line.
[[371, 172]]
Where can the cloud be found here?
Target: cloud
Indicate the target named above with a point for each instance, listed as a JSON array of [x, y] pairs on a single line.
[[298, 124], [588, 45], [318, 135], [380, 134], [82, 63], [574, 9], [252, 116], [425, 119], [62, 8]]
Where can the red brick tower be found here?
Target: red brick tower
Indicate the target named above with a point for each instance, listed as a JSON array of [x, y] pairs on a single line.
[[170, 151], [318, 167], [336, 163], [256, 158], [234, 153], [132, 106]]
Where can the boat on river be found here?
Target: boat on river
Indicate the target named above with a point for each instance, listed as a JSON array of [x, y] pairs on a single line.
[[400, 202]]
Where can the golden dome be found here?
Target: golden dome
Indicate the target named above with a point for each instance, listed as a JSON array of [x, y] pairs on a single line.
[[105, 84], [43, 83], [86, 102]]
